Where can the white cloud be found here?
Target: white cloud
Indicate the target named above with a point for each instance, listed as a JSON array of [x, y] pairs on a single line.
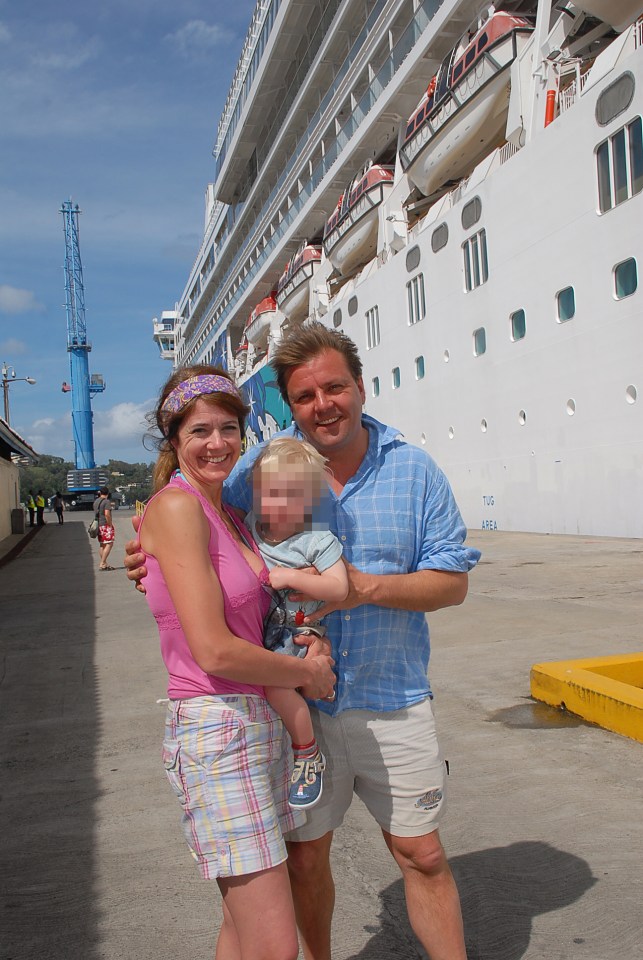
[[15, 300], [5, 35], [118, 434], [198, 37], [12, 347]]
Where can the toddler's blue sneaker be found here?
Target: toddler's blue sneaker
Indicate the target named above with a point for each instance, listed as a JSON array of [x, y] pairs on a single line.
[[306, 783]]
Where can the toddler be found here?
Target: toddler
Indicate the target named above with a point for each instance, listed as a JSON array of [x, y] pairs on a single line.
[[289, 480]]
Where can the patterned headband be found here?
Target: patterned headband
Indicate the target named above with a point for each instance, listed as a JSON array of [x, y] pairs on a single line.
[[196, 387]]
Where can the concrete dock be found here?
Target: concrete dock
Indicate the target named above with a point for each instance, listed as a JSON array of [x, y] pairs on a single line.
[[544, 829]]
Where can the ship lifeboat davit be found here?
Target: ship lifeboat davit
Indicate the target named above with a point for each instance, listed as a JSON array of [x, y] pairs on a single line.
[[293, 289], [463, 114], [617, 13], [350, 234], [259, 322]]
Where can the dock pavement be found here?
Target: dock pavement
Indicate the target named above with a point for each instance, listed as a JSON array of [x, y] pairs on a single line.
[[544, 829]]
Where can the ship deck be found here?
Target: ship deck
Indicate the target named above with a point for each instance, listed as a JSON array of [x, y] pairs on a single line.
[[543, 829]]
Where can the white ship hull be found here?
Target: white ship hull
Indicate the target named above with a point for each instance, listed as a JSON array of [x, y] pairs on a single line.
[[499, 326]]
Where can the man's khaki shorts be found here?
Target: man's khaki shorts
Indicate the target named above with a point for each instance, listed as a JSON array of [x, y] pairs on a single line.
[[391, 760]]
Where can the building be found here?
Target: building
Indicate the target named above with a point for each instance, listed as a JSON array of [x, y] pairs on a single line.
[[13, 450]]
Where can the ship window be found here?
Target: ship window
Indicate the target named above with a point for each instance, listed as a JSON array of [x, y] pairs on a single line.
[[471, 213], [419, 118], [396, 377], [483, 41], [615, 99], [419, 368], [413, 259], [476, 267], [337, 318], [415, 297], [352, 306], [376, 386], [469, 56], [409, 131], [372, 328], [518, 325], [439, 237], [619, 164], [566, 304], [625, 279], [457, 70], [479, 342]]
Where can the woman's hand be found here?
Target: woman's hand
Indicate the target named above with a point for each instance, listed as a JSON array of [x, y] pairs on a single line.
[[135, 559], [321, 685]]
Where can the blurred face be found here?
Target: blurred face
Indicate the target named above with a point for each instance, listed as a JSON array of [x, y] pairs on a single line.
[[284, 496], [327, 402], [208, 444]]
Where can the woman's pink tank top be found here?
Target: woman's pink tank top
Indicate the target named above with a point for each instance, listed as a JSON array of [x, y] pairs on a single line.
[[245, 606]]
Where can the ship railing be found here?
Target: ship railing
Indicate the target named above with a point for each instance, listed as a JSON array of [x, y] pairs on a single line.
[[638, 33], [423, 16], [568, 97]]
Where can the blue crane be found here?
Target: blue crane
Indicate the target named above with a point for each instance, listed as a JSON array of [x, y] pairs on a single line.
[[84, 481]]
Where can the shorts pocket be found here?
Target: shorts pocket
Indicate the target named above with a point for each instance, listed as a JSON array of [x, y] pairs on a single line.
[[171, 755]]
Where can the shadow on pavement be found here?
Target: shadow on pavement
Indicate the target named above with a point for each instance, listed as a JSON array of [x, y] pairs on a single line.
[[49, 721], [502, 890]]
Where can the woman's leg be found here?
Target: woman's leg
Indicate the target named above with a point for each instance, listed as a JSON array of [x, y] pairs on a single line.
[[259, 918]]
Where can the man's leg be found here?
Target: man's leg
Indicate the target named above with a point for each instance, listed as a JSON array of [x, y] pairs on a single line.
[[432, 897], [313, 893]]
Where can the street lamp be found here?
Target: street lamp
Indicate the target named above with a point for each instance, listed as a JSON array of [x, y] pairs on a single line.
[[9, 377]]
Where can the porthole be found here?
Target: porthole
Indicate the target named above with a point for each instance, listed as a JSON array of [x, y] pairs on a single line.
[[337, 318], [439, 237], [571, 407], [631, 393], [447, 356], [376, 386], [423, 439], [615, 99], [471, 213], [518, 325], [484, 425], [396, 377], [413, 259], [352, 306], [625, 279], [419, 368], [451, 433], [479, 342], [522, 418], [565, 304]]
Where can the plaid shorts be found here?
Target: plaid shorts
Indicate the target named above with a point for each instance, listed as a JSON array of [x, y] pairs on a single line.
[[228, 760]]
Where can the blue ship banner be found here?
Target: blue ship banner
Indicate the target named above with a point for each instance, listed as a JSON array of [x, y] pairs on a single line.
[[268, 412]]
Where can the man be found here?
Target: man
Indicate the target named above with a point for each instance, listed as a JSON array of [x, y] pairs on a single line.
[[403, 540], [40, 509], [31, 508]]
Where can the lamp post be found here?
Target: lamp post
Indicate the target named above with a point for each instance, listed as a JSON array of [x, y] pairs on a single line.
[[9, 377]]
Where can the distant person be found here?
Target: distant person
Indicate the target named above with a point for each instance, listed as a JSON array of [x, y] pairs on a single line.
[[31, 508], [106, 532], [59, 506], [40, 509]]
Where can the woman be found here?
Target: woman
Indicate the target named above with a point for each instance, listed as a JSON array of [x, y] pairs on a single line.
[[225, 751], [106, 531]]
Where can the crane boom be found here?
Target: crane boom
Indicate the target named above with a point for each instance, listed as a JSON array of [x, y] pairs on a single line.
[[85, 478]]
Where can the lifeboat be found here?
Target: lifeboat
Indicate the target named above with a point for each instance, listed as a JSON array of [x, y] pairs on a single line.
[[463, 113], [350, 234], [293, 289], [619, 14], [259, 322]]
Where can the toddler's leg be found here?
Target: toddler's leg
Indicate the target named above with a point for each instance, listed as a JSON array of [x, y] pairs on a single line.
[[306, 782], [293, 710]]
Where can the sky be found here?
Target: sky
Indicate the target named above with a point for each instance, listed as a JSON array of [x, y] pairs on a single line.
[[114, 105]]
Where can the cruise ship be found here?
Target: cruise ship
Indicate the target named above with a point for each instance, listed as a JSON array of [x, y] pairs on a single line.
[[459, 188]]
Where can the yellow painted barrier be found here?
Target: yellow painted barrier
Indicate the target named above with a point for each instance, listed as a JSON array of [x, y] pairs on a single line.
[[607, 691]]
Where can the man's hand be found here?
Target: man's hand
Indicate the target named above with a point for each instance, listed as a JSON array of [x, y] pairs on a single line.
[[134, 559]]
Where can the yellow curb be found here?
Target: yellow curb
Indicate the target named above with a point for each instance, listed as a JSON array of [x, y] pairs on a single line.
[[607, 691]]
